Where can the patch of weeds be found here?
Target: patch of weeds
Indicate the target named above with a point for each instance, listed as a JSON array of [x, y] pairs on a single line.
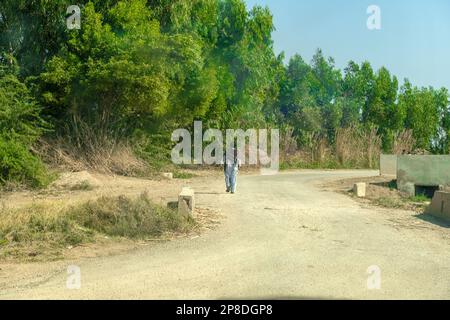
[[389, 202], [82, 186], [183, 175], [420, 198], [292, 165], [38, 230]]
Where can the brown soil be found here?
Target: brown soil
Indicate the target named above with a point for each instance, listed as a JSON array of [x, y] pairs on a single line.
[[380, 191]]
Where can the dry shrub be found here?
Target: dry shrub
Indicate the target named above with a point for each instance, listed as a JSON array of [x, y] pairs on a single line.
[[358, 147], [58, 154], [316, 152], [404, 142], [349, 145], [103, 155], [317, 147], [355, 147], [122, 160], [321, 151], [299, 159], [86, 147], [373, 144], [421, 152], [111, 157], [288, 144]]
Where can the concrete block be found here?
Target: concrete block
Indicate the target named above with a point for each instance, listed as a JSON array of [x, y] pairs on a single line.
[[388, 164], [360, 190], [422, 171], [168, 175], [186, 202], [407, 188], [440, 205]]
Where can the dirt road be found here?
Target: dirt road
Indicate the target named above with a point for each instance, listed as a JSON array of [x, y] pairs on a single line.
[[280, 237]]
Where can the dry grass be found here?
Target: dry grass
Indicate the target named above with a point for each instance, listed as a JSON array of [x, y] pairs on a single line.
[[39, 230], [43, 231], [104, 156], [358, 147], [404, 142], [288, 144], [355, 147], [91, 148]]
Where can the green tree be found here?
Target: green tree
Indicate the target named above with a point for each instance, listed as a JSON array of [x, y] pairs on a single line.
[[20, 126], [127, 75], [422, 113], [382, 110], [357, 83]]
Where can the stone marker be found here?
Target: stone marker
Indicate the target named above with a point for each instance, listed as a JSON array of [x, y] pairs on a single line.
[[360, 190], [168, 175], [440, 205], [186, 202]]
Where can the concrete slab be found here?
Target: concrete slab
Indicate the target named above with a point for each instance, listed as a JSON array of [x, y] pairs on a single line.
[[440, 205]]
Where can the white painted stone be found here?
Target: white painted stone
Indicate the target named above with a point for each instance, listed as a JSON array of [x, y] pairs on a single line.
[[360, 190], [186, 202], [168, 175]]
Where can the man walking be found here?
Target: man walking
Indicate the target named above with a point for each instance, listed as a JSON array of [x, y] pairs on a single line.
[[231, 168]]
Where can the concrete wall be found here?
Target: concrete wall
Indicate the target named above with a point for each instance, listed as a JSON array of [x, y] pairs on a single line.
[[422, 171], [388, 165]]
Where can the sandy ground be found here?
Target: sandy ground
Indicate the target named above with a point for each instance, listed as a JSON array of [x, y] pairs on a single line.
[[379, 193], [280, 236]]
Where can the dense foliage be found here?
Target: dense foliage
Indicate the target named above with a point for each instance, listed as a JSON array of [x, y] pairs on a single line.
[[140, 68]]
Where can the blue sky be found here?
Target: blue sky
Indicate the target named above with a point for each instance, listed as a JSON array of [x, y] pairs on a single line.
[[413, 43]]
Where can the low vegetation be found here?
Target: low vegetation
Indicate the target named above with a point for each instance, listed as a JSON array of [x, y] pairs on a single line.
[[82, 186], [183, 175], [387, 202], [45, 230]]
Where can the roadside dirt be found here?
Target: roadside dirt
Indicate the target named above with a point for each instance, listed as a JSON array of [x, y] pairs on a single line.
[[380, 191], [403, 212]]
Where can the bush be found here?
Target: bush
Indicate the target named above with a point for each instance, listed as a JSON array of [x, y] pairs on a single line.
[[20, 127], [18, 165], [19, 114], [154, 149]]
